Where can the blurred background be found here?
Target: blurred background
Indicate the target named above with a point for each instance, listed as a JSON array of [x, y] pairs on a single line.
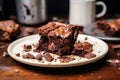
[[55, 8]]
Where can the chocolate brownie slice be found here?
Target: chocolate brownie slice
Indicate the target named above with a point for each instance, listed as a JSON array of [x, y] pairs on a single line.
[[57, 38], [8, 30], [110, 28]]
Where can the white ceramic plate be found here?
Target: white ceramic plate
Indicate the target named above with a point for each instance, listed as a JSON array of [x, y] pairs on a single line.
[[100, 48], [92, 30]]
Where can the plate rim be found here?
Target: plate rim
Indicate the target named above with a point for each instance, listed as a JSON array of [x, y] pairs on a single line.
[[54, 65]]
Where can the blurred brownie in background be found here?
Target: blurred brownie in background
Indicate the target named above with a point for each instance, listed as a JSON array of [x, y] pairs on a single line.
[[8, 30], [110, 28]]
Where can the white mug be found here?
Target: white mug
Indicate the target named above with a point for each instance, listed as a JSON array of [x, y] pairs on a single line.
[[83, 12]]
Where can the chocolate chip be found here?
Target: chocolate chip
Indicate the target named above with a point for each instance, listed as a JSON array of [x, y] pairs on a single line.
[[18, 54], [86, 38]]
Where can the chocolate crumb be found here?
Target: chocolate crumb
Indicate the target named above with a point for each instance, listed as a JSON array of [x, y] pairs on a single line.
[[91, 74], [118, 54], [27, 48], [28, 56], [36, 50], [65, 59], [48, 57], [38, 57], [89, 55], [36, 45], [18, 54], [2, 46], [5, 54], [86, 38], [118, 68], [99, 77], [114, 62], [16, 71]]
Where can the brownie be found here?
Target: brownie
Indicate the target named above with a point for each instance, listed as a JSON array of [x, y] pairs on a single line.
[[82, 48], [57, 38], [110, 28], [8, 30]]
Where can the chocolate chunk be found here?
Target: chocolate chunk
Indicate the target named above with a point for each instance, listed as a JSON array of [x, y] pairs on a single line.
[[65, 59], [82, 48], [114, 62], [36, 45], [27, 48], [28, 56], [48, 57]]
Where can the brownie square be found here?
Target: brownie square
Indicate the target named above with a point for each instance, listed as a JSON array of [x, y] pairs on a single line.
[[57, 38], [110, 28], [8, 30]]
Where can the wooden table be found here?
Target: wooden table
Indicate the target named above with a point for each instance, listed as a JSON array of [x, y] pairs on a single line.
[[99, 70]]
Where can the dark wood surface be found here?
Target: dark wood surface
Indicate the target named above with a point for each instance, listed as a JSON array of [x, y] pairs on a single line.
[[99, 70]]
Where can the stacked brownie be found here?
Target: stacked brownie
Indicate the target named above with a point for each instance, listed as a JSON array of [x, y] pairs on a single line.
[[8, 30], [110, 28], [57, 38]]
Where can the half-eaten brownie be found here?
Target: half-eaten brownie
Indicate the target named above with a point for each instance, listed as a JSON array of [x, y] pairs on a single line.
[[57, 38]]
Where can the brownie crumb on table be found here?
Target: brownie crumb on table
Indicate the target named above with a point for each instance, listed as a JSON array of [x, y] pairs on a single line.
[[5, 54], [114, 62]]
